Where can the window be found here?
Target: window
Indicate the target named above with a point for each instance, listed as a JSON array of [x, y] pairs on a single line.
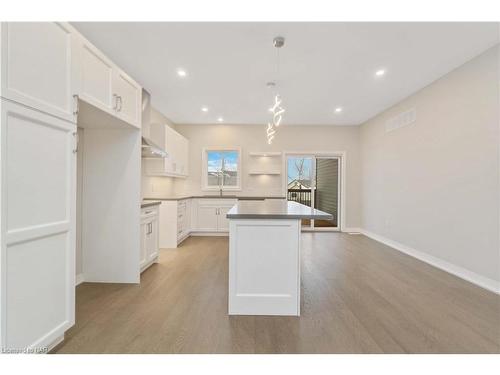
[[221, 169]]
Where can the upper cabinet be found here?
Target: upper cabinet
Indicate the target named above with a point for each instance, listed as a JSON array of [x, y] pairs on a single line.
[[38, 66], [177, 148], [105, 86], [95, 78], [49, 66]]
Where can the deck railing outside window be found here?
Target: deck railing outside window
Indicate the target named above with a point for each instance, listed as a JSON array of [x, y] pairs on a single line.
[[302, 196]]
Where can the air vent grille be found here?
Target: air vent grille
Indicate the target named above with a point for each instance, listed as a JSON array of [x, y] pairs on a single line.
[[403, 119]]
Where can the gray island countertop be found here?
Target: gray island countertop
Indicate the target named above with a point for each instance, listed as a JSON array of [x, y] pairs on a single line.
[[214, 196], [275, 209]]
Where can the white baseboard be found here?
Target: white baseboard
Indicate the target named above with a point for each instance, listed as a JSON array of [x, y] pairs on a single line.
[[79, 279], [352, 230], [483, 282], [213, 234]]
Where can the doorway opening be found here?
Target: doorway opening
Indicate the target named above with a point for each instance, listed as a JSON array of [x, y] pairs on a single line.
[[315, 181]]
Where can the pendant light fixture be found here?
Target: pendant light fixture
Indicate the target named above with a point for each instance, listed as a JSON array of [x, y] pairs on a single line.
[[277, 110]]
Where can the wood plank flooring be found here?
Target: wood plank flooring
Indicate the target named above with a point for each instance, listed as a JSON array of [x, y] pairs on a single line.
[[358, 296]]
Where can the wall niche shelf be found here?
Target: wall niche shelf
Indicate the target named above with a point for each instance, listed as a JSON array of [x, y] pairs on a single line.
[[264, 153]]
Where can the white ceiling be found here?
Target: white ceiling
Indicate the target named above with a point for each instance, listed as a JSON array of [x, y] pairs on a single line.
[[323, 65]]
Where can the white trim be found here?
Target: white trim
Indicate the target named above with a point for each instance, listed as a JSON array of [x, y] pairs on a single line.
[[204, 169], [80, 278], [56, 342], [481, 281], [209, 234], [352, 230]]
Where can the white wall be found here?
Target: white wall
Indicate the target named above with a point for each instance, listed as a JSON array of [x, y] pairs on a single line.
[[252, 138], [434, 186]]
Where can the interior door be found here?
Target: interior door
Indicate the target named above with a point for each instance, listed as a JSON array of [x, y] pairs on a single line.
[[38, 190]]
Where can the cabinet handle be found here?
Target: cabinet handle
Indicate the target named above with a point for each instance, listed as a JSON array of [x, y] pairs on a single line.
[[76, 105], [75, 135], [120, 100], [115, 102]]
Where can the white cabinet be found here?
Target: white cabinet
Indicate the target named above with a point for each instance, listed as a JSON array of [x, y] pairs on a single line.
[[175, 222], [210, 214], [38, 66], [95, 77], [222, 220], [177, 147], [38, 200], [104, 85], [206, 218], [149, 236], [128, 96]]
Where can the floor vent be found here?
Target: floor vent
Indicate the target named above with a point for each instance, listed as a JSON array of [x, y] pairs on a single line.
[[403, 119]]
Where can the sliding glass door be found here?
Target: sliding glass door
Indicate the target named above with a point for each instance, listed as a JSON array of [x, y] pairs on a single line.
[[300, 172], [326, 192], [314, 181]]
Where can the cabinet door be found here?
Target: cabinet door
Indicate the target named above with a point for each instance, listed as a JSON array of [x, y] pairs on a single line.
[[153, 238], [222, 220], [206, 218], [128, 94], [144, 243], [95, 77], [185, 156], [37, 66], [38, 185]]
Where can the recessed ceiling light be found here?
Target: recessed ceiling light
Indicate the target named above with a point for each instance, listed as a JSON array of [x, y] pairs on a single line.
[[220, 119], [181, 73], [204, 109], [380, 72], [338, 109]]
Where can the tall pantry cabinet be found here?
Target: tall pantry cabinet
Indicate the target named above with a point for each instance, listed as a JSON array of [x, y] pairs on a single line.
[[53, 80], [38, 143]]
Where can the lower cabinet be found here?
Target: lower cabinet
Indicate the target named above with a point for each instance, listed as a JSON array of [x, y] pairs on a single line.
[[149, 236], [175, 222], [210, 214]]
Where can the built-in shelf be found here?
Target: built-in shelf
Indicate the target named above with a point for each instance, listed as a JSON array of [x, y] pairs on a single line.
[[265, 172], [264, 153]]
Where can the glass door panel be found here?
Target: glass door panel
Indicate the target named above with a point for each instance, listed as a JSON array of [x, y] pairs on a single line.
[[300, 178], [327, 192]]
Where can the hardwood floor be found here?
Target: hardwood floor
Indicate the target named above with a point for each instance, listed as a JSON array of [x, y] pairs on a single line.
[[358, 296]]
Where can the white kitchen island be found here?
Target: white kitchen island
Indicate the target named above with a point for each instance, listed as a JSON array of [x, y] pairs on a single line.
[[264, 256]]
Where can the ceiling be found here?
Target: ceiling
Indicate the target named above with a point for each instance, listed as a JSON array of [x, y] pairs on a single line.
[[323, 66]]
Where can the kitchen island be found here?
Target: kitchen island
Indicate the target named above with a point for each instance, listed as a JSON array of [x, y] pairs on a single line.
[[264, 256]]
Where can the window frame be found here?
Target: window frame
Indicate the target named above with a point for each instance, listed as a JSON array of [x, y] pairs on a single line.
[[204, 169]]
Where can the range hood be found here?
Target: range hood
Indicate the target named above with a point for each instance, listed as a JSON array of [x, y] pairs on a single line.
[[149, 148], [152, 150]]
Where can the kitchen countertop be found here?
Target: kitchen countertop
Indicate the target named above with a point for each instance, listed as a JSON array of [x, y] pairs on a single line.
[[240, 197], [275, 209], [150, 203]]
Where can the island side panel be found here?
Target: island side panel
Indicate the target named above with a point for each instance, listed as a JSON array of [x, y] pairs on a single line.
[[264, 267]]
